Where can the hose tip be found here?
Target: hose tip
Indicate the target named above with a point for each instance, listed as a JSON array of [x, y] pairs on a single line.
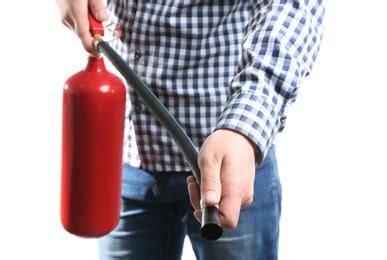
[[211, 229]]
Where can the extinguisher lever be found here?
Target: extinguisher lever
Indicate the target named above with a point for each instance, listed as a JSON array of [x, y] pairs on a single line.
[[96, 27]]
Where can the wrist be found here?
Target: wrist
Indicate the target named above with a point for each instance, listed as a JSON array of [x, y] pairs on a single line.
[[244, 137], [254, 147]]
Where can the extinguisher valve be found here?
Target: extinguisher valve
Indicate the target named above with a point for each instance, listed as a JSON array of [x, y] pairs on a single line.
[[97, 38]]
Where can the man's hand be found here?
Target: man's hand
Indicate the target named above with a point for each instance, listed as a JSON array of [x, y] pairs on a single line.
[[74, 15], [227, 165]]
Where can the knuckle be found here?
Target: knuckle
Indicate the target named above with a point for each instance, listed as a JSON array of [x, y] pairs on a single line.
[[230, 223], [210, 184], [250, 197], [247, 201], [208, 159], [233, 225], [82, 33], [229, 220], [210, 178]]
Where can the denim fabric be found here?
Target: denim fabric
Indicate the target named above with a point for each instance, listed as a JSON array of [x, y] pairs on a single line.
[[156, 216]]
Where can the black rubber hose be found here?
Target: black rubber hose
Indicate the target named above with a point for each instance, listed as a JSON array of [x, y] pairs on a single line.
[[211, 229]]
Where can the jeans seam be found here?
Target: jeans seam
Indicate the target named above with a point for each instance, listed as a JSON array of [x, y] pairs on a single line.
[[274, 193], [272, 179]]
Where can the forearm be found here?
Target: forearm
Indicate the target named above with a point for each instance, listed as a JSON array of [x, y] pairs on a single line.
[[279, 48]]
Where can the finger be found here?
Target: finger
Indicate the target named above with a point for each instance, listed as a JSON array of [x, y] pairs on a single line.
[[248, 197], [249, 188], [98, 9], [191, 179], [193, 191], [230, 204], [198, 215], [211, 188], [68, 23], [247, 200]]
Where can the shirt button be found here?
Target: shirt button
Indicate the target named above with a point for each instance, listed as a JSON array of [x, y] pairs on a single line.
[[137, 106], [137, 54]]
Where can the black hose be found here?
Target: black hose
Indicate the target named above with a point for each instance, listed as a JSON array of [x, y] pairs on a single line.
[[211, 229]]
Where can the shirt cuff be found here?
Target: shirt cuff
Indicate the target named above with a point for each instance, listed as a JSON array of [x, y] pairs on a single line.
[[254, 117]]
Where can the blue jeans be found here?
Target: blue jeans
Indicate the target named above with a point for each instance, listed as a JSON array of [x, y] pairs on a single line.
[[156, 216]]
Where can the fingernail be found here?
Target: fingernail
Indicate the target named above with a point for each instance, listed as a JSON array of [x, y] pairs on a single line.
[[210, 196], [102, 15]]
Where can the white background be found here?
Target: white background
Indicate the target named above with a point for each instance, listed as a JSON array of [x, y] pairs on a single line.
[[332, 155]]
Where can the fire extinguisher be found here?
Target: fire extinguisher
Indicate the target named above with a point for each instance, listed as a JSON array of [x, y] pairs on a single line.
[[92, 142], [93, 117]]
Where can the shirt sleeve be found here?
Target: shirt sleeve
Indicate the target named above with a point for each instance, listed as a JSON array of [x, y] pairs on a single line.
[[279, 48]]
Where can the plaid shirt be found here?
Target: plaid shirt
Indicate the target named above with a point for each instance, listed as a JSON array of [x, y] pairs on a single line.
[[213, 64]]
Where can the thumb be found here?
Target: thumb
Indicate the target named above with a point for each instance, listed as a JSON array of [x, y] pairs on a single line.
[[211, 188], [98, 9]]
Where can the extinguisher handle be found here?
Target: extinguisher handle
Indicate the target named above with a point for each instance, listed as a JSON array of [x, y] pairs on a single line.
[[211, 228], [96, 27]]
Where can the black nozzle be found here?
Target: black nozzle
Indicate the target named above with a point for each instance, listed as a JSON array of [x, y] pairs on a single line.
[[211, 229]]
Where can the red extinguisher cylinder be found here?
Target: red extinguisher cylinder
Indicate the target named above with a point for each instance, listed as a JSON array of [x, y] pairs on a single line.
[[92, 140]]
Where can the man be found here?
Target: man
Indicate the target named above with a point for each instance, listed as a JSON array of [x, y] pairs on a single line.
[[226, 70]]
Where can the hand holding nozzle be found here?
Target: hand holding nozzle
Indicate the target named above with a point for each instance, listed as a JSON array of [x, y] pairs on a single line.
[[227, 165]]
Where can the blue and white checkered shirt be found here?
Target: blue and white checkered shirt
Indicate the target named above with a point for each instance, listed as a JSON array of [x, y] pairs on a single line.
[[214, 64]]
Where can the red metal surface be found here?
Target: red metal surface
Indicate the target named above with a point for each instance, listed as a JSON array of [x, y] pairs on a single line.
[[92, 140], [96, 27]]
